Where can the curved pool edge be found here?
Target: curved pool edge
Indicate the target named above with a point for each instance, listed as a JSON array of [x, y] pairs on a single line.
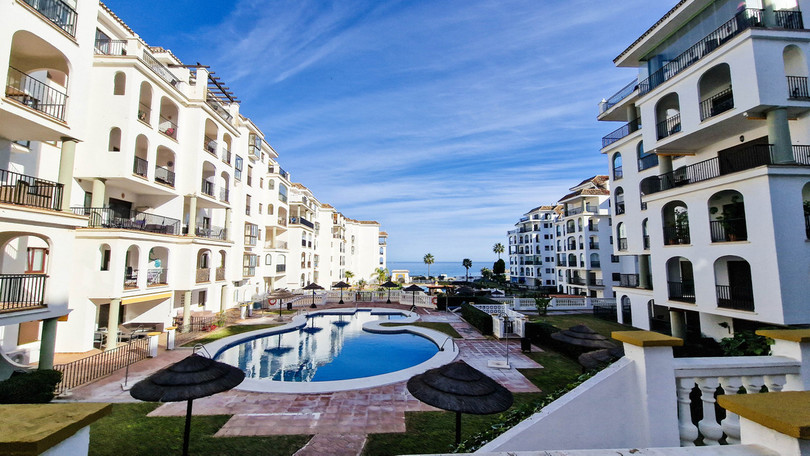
[[442, 357]]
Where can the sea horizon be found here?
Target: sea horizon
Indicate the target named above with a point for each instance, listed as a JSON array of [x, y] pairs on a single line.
[[451, 268]]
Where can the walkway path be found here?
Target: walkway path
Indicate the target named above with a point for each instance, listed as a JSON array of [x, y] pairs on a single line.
[[334, 445]]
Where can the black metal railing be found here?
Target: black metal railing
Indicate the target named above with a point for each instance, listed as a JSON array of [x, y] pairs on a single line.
[[789, 19], [622, 243], [593, 245], [646, 239], [301, 221], [747, 18], [576, 280], [106, 217], [677, 234], [167, 127], [617, 173], [281, 268], [210, 232], [210, 145], [94, 367], [58, 12], [207, 188], [111, 47], [22, 291], [140, 167], [623, 93], [144, 113], [738, 298], [807, 225], [283, 173], [156, 277], [647, 161], [619, 210], [628, 280], [681, 291], [801, 154], [669, 126], [717, 104], [797, 88], [159, 69], [164, 176], [728, 230], [35, 94], [630, 127], [26, 190]]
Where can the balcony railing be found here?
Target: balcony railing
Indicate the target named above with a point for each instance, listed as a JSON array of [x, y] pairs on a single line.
[[26, 190], [594, 282], [738, 298], [106, 217], [58, 12], [281, 268], [140, 167], [596, 264], [144, 113], [22, 291], [220, 274], [593, 245], [157, 277], [797, 88], [630, 127], [677, 234], [728, 230], [35, 94], [617, 173], [130, 278], [210, 145], [618, 96], [717, 104], [283, 173], [628, 280], [619, 208], [789, 19], [159, 69], [207, 188], [226, 156], [576, 280], [219, 109], [301, 221], [743, 20], [681, 291], [622, 243], [203, 275], [167, 127], [669, 126], [210, 232], [164, 176], [224, 194], [111, 47], [647, 161]]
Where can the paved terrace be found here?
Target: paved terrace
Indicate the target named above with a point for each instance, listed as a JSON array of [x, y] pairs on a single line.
[[341, 420]]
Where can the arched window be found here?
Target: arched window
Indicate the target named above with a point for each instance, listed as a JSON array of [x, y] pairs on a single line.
[[619, 199], [675, 218], [621, 236], [796, 72], [668, 116], [617, 166], [715, 91], [680, 280], [114, 144], [732, 278], [105, 252], [727, 217], [268, 259], [119, 83], [645, 160]]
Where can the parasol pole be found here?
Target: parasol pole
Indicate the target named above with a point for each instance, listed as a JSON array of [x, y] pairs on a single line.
[[458, 428], [341, 296], [187, 431]]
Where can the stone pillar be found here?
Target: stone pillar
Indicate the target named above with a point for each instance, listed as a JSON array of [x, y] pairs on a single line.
[[47, 345], [664, 167], [112, 324], [154, 337], [651, 354], [99, 193], [66, 159], [186, 309], [779, 135], [223, 299], [192, 217], [228, 236], [677, 323], [644, 272], [794, 344]]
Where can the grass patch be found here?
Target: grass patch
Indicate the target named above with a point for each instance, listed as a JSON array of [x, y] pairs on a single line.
[[603, 327], [219, 333], [128, 431], [438, 326], [558, 370]]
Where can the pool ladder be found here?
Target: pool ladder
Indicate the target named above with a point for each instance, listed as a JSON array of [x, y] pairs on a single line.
[[445, 341]]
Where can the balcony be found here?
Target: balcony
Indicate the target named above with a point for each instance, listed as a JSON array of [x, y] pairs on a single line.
[[203, 275], [210, 145], [35, 94], [729, 230], [210, 232], [281, 268], [220, 274], [110, 47], [144, 113], [22, 291], [625, 130], [681, 291], [593, 245], [737, 298], [106, 217], [168, 128], [157, 277], [628, 280], [26, 190], [226, 156], [58, 12], [669, 126], [576, 281], [619, 208], [594, 282], [207, 188], [130, 278], [622, 242], [789, 19], [617, 97], [219, 108], [164, 176], [717, 104], [596, 264], [140, 167], [677, 234], [301, 221], [224, 194], [159, 69]]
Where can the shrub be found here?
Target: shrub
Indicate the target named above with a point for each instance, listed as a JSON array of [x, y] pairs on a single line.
[[477, 318], [35, 387], [746, 343], [540, 333]]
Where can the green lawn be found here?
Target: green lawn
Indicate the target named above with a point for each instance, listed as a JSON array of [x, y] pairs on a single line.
[[227, 331], [438, 326], [603, 327], [128, 431]]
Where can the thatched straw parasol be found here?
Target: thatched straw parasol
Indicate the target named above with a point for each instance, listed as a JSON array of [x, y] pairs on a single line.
[[281, 296], [313, 286], [341, 285], [459, 388], [413, 289], [583, 336], [389, 284], [188, 379], [465, 291], [599, 358]]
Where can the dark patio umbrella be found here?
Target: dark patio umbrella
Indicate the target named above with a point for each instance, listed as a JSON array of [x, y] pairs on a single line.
[[313, 286], [279, 349], [311, 329], [413, 289], [341, 285], [389, 285], [281, 296], [191, 378], [583, 336], [459, 388]]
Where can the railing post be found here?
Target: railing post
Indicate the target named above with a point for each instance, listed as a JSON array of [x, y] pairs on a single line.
[[794, 344], [154, 338], [731, 425], [712, 432], [171, 332]]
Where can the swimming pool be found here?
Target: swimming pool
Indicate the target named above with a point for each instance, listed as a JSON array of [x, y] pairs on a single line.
[[328, 349]]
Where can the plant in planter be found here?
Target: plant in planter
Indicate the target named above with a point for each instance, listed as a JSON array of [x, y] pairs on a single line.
[[682, 227], [732, 219]]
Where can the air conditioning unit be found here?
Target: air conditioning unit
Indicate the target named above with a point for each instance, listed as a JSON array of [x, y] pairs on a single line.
[[20, 357]]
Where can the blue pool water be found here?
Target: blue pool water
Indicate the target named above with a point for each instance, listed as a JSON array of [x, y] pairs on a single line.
[[328, 348]]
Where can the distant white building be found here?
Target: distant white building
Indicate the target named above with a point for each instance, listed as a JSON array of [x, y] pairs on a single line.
[[531, 249]]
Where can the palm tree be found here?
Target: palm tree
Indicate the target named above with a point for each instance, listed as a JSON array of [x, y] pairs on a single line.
[[428, 259], [361, 284], [467, 263], [348, 275], [498, 248], [381, 274], [486, 273]]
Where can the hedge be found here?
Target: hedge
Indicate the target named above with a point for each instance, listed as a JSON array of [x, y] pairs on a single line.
[[478, 318], [35, 387]]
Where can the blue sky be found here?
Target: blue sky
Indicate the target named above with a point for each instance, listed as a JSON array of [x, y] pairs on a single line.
[[443, 120]]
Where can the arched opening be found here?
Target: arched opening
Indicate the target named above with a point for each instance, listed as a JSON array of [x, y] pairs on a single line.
[[210, 137], [570, 226], [119, 83], [268, 259], [796, 72], [621, 236], [627, 310], [145, 103], [158, 267], [668, 116], [169, 118], [646, 160], [203, 266], [141, 166], [680, 280], [727, 217], [619, 200], [675, 218], [572, 260], [572, 243], [25, 265], [38, 75], [581, 242], [131, 267], [226, 148], [806, 207], [224, 186], [164, 169], [732, 278], [208, 179], [223, 257], [715, 91], [645, 235], [595, 263], [617, 166], [104, 252], [114, 143]]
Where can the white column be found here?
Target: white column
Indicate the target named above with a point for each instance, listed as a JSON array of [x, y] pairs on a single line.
[[154, 337], [66, 160]]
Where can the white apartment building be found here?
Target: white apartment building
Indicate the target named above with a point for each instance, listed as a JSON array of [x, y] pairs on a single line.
[[531, 249], [583, 242], [132, 191], [710, 209]]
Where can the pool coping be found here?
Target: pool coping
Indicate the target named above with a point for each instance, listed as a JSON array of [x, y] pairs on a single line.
[[446, 354]]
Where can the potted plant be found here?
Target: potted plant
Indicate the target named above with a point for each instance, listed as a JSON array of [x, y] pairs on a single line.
[[682, 227], [732, 219]]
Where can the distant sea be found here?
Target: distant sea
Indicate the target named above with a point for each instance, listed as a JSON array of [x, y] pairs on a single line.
[[451, 268]]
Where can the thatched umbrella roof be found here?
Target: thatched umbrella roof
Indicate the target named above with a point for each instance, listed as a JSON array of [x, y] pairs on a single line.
[[466, 291], [341, 285], [414, 288], [460, 388], [598, 358], [389, 284], [313, 286], [583, 336]]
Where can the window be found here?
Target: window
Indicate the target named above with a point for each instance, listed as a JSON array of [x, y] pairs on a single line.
[[260, 208], [119, 83], [237, 166], [268, 259], [250, 175], [251, 233], [36, 260], [247, 204], [254, 145], [202, 298], [249, 263], [105, 258], [282, 193]]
